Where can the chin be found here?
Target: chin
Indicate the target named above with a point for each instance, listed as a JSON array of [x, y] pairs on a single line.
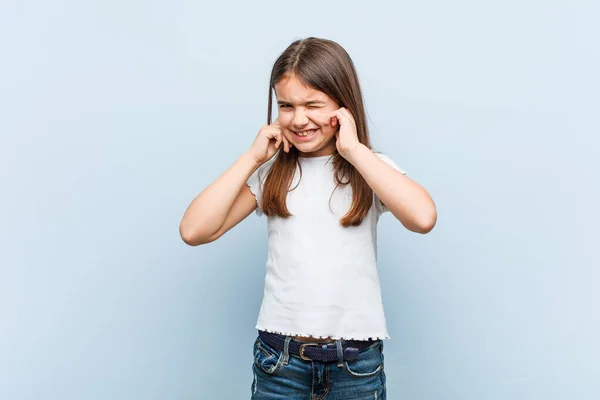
[[314, 152]]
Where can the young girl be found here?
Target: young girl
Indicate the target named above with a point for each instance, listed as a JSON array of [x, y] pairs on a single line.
[[321, 323]]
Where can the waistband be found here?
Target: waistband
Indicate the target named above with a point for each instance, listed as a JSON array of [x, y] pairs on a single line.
[[346, 350]]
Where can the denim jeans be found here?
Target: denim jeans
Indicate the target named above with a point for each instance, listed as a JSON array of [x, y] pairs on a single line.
[[279, 376]]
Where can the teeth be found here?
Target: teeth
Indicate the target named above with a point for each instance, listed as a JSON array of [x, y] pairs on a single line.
[[305, 133]]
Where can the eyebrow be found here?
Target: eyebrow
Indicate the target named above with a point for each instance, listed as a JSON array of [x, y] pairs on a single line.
[[303, 104]]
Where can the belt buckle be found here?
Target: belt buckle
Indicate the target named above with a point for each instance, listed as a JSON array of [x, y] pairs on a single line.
[[303, 346]]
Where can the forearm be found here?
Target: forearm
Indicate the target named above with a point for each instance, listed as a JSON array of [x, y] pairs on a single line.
[[207, 212], [408, 201]]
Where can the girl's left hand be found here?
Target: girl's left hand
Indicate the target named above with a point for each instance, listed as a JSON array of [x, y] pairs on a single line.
[[346, 136]]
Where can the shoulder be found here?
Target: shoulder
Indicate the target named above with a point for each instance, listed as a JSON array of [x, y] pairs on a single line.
[[262, 171], [268, 164], [388, 160], [381, 155]]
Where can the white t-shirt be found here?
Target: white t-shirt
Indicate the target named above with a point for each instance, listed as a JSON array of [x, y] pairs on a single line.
[[321, 278]]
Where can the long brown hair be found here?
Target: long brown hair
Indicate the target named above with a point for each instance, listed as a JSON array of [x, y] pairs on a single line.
[[323, 65]]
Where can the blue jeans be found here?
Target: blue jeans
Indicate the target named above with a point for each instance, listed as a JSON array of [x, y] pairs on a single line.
[[279, 376]]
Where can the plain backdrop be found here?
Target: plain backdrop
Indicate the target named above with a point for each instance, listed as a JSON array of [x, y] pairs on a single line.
[[114, 115]]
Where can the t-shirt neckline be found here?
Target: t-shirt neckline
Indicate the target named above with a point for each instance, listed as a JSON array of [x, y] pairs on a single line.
[[315, 158]]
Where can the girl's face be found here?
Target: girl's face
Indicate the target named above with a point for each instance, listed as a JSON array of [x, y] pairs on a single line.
[[304, 117]]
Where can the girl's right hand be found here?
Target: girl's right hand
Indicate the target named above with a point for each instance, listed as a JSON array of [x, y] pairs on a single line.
[[267, 142]]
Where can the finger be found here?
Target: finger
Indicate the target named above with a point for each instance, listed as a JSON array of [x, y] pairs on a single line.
[[278, 140], [347, 114], [340, 116], [276, 122], [286, 143], [331, 119]]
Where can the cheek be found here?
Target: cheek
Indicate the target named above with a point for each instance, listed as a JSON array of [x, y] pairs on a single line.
[[317, 116], [284, 118], [321, 118], [328, 131], [285, 121]]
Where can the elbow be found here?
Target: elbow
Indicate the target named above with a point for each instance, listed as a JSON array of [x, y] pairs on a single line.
[[193, 238], [422, 222], [424, 228], [426, 223]]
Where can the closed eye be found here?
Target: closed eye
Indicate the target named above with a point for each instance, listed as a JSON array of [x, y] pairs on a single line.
[[312, 107]]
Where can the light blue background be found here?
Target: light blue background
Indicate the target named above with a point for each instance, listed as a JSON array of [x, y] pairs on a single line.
[[114, 115]]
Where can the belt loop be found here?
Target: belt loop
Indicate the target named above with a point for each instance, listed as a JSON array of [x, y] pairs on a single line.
[[286, 350], [340, 353]]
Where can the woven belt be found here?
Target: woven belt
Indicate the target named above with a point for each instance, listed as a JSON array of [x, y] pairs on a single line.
[[316, 351]]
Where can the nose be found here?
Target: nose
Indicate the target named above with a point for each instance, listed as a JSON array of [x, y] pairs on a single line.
[[300, 119]]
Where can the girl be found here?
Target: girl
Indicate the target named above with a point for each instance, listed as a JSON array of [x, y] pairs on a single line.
[[321, 322]]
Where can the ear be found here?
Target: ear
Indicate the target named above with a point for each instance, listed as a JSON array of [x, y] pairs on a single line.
[[331, 120]]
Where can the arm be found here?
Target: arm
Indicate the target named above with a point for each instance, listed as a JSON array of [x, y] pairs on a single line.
[[227, 201], [407, 200], [222, 205]]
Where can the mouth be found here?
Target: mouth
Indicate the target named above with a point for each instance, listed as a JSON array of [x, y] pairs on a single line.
[[305, 135]]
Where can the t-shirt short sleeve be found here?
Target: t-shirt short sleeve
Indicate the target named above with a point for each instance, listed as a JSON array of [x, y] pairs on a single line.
[[381, 208], [256, 183]]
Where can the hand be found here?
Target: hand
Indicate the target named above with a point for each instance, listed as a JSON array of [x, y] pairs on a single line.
[[267, 142], [346, 136]]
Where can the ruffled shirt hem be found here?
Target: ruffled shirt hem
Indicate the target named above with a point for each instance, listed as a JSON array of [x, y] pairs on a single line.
[[343, 337]]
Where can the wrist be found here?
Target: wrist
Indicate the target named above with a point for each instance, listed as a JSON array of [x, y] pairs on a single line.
[[250, 158], [355, 152]]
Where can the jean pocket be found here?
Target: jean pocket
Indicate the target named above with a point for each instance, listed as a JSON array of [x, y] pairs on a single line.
[[266, 358], [368, 363]]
